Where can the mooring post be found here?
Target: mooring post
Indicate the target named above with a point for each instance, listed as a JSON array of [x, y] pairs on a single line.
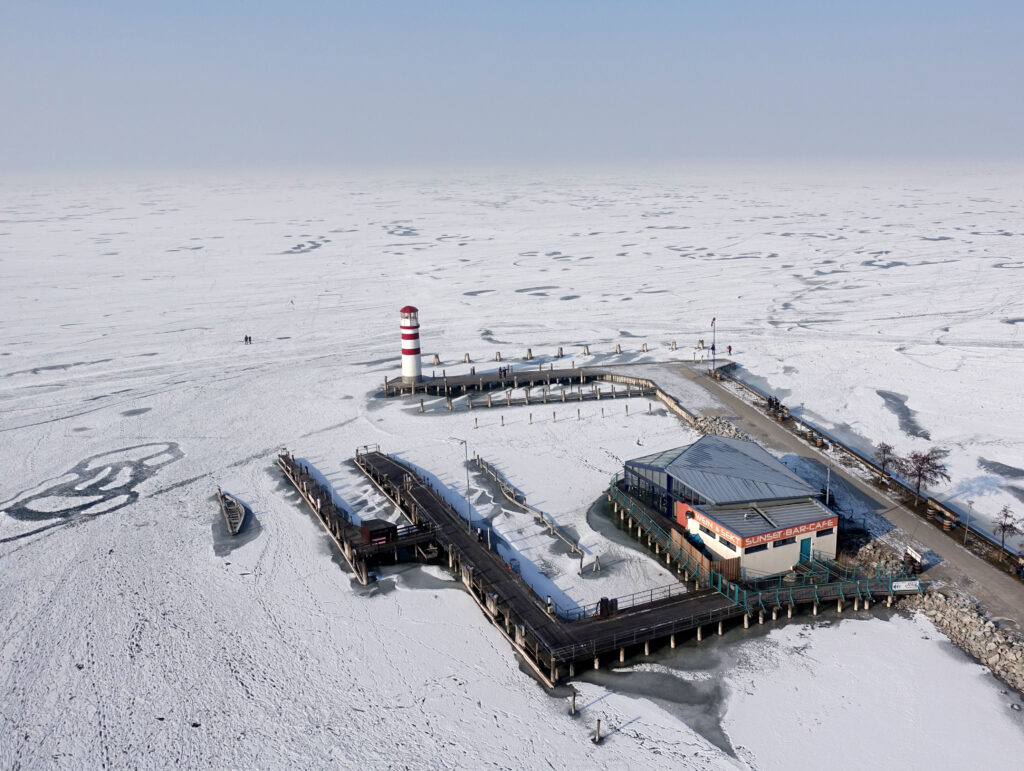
[[577, 413], [597, 734], [475, 423], [503, 420], [572, 709]]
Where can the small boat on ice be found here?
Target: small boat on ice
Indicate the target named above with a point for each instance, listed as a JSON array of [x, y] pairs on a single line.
[[233, 511]]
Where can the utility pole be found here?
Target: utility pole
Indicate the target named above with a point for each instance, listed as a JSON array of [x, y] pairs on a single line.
[[469, 511], [970, 510], [828, 477], [713, 343]]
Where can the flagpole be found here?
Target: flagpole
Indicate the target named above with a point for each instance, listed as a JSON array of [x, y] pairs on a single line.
[[713, 348]]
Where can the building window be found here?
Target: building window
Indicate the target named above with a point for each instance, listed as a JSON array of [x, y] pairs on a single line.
[[783, 542], [727, 544], [756, 549], [823, 533], [706, 531]]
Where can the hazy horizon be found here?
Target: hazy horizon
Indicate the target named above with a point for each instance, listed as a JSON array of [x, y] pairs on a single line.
[[406, 85]]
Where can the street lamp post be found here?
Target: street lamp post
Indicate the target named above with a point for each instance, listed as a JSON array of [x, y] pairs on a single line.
[[469, 512], [828, 477], [970, 510], [713, 355]]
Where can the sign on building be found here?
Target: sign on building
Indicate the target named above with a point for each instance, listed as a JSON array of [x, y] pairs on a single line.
[[906, 586]]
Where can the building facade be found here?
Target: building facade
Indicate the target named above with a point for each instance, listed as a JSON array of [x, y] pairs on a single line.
[[737, 500]]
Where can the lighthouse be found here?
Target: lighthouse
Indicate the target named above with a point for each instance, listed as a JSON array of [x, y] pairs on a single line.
[[410, 324]]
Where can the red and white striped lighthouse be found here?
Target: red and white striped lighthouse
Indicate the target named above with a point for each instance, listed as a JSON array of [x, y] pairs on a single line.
[[410, 344]]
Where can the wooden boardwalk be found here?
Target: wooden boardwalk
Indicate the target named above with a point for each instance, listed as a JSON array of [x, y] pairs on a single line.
[[538, 386], [520, 377], [549, 644], [359, 553], [553, 642]]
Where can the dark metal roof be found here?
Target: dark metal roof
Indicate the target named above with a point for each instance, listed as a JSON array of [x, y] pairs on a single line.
[[747, 521], [729, 471]]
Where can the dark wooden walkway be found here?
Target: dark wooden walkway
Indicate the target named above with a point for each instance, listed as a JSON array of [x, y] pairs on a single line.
[[551, 645], [493, 381], [357, 551]]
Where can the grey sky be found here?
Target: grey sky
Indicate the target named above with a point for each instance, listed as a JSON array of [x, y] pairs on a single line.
[[160, 84]]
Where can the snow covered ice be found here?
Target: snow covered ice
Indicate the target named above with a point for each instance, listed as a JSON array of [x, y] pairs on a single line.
[[135, 634]]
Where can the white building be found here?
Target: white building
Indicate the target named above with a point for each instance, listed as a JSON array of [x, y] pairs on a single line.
[[738, 500]]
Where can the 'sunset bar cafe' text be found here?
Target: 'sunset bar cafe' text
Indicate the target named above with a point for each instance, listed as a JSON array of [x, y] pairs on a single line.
[[777, 535]]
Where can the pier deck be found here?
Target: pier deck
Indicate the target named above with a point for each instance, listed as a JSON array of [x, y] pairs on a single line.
[[359, 553], [547, 642]]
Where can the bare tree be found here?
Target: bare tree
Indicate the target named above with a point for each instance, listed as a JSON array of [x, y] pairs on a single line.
[[923, 468], [1006, 525], [886, 456]]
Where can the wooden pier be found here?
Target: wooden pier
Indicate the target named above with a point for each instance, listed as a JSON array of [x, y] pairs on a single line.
[[360, 549], [552, 641], [534, 387], [550, 645]]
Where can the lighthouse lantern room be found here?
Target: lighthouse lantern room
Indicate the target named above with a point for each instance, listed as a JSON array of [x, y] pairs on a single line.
[[410, 325]]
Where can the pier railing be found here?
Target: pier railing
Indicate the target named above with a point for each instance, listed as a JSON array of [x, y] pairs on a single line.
[[519, 499], [950, 511], [762, 598]]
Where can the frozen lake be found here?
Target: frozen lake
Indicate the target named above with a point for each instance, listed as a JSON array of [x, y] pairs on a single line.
[[887, 303]]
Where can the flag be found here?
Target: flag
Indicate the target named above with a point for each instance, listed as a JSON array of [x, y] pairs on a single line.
[[713, 321]]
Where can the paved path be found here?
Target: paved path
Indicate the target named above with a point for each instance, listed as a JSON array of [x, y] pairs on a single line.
[[1000, 594]]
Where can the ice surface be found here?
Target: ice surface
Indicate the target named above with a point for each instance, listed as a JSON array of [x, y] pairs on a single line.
[[132, 637]]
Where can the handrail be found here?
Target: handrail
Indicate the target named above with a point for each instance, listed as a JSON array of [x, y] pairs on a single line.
[[728, 371], [513, 495], [750, 600]]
